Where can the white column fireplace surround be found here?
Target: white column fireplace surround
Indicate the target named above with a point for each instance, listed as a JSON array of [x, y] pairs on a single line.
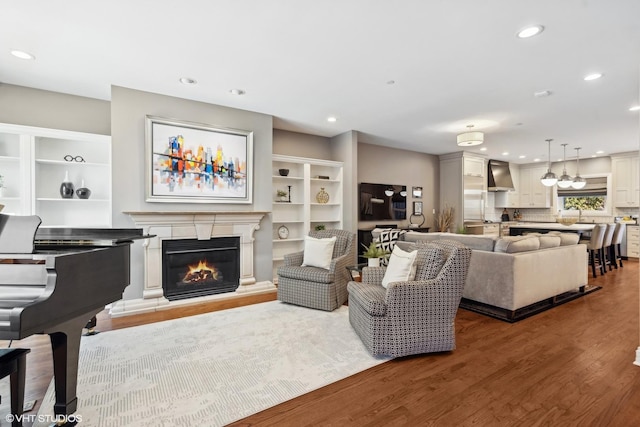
[[192, 225]]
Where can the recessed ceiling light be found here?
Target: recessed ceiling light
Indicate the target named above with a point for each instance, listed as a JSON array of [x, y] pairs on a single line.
[[522, 157], [22, 54], [237, 92], [599, 152], [332, 119], [635, 108], [536, 160], [593, 76], [188, 81], [506, 153], [530, 31], [483, 149], [542, 93], [593, 155], [391, 82]]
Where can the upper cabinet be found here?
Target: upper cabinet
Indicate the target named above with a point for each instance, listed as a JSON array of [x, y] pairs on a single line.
[[36, 161], [529, 191], [474, 166], [625, 170]]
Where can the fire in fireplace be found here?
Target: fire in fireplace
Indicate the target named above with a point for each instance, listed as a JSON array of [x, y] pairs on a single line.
[[193, 268]]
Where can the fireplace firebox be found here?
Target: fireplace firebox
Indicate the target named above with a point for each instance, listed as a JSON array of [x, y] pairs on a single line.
[[194, 268]]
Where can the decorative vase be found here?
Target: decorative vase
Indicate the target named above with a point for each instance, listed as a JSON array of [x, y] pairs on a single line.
[[83, 192], [373, 262], [322, 196], [66, 188]]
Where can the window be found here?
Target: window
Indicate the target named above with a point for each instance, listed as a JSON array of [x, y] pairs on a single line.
[[592, 199]]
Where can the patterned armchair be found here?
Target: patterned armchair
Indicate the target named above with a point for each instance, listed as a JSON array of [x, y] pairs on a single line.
[[416, 316], [316, 287]]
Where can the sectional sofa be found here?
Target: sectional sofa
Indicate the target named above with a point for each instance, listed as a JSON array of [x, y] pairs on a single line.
[[513, 277]]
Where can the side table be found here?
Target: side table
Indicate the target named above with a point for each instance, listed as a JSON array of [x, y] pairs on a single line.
[[356, 271]]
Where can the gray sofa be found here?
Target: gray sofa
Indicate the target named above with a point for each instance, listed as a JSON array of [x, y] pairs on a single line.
[[515, 272]]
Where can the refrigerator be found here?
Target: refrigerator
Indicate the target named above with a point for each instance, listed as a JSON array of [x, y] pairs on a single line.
[[473, 198]]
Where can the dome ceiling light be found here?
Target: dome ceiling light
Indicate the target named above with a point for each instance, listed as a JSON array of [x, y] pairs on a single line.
[[469, 139]]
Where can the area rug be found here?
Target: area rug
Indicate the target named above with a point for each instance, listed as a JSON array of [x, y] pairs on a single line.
[[524, 312], [214, 368]]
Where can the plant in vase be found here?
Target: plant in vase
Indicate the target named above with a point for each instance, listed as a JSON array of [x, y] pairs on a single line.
[[320, 227], [373, 254], [282, 195]]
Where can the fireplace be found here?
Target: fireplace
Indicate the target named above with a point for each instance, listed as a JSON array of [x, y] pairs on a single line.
[[193, 268]]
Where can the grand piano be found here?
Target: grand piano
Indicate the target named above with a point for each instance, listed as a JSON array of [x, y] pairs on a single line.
[[53, 281]]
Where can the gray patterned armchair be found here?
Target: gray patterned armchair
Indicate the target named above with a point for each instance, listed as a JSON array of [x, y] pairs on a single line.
[[412, 317], [316, 287]]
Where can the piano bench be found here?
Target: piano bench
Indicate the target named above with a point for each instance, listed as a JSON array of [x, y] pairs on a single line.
[[13, 361]]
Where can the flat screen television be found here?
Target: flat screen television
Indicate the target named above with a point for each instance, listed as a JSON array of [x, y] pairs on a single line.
[[382, 202]]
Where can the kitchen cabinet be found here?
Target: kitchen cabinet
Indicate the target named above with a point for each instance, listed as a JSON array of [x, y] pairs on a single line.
[[532, 193], [474, 166], [308, 183], [626, 186], [490, 230], [34, 162], [633, 241]]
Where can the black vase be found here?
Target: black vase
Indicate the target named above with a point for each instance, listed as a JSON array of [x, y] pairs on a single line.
[[67, 188], [83, 193]]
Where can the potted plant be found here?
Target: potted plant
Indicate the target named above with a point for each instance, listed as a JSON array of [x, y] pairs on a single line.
[[282, 195], [319, 227], [373, 254]]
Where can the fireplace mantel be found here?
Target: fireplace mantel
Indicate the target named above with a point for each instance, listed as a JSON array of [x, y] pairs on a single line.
[[172, 225]]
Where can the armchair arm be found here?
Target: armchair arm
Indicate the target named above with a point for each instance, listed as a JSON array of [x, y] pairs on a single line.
[[428, 297], [294, 259]]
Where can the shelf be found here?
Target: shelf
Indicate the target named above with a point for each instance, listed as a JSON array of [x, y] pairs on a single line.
[[290, 178], [324, 180], [284, 221], [71, 164], [9, 158], [324, 204], [60, 199], [294, 239]]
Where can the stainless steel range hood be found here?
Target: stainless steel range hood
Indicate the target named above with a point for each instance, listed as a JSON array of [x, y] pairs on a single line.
[[499, 176]]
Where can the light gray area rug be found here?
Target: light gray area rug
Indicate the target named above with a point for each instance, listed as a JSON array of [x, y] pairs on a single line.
[[213, 368]]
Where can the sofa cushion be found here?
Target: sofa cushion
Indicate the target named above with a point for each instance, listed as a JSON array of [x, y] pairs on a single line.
[[387, 241], [549, 241], [308, 274], [567, 238], [514, 244], [429, 261]]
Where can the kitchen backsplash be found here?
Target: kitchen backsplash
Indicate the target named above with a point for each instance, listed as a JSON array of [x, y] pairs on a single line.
[[545, 215]]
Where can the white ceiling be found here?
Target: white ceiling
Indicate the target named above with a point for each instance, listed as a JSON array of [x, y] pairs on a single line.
[[454, 63]]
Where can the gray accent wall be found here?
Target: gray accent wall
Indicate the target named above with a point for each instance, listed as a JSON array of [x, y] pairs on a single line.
[[129, 108], [27, 106]]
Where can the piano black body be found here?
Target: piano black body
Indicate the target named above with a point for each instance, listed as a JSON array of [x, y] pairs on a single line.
[[57, 289]]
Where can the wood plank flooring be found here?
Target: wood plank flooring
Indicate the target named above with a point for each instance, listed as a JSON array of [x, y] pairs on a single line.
[[572, 365]]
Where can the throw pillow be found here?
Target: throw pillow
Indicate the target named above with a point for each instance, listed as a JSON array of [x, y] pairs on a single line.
[[317, 252], [402, 267], [387, 241]]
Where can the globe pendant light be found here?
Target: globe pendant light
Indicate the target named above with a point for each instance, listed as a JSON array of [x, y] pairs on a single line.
[[549, 179], [565, 180], [578, 182]]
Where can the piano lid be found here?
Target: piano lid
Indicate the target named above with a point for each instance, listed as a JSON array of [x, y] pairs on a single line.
[[69, 237]]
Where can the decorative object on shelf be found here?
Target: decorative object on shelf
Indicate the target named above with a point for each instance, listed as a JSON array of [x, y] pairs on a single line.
[[322, 196], [320, 227], [578, 181], [505, 215], [83, 192], [70, 158], [322, 176], [283, 232], [66, 188], [567, 220], [444, 219], [470, 138], [549, 179], [283, 172], [565, 181], [282, 195]]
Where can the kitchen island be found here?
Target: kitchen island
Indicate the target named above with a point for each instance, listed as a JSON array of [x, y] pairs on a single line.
[[545, 227]]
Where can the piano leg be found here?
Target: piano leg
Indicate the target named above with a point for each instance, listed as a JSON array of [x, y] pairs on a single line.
[[65, 344]]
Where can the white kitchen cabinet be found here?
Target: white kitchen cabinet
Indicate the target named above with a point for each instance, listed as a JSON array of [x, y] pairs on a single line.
[[532, 193], [301, 211], [474, 166], [633, 241], [35, 161], [626, 188]]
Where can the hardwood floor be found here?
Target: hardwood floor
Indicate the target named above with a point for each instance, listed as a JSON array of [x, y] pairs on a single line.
[[572, 365]]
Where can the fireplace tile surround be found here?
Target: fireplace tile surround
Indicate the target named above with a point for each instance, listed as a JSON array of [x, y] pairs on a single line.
[[192, 225]]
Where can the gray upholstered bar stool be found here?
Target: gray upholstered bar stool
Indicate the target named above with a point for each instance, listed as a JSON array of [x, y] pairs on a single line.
[[594, 248], [606, 246], [616, 243]]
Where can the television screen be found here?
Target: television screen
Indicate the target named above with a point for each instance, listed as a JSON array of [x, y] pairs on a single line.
[[382, 202]]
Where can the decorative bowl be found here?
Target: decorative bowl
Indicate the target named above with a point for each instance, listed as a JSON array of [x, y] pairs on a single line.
[[567, 220], [283, 172]]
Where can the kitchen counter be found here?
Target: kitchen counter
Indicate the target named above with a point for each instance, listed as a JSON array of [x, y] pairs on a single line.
[[543, 227]]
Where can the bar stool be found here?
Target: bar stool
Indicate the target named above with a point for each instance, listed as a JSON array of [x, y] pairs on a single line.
[[616, 243], [13, 362], [606, 247], [594, 247]]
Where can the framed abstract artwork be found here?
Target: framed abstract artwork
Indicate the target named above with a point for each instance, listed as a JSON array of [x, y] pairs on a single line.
[[197, 163]]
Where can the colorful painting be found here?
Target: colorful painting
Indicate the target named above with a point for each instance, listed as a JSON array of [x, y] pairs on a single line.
[[196, 163]]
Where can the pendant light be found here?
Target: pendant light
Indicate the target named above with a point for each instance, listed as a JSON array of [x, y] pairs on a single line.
[[549, 179], [578, 182], [565, 181]]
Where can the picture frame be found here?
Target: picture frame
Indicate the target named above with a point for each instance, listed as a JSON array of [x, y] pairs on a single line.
[[417, 208], [416, 192], [191, 162]]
